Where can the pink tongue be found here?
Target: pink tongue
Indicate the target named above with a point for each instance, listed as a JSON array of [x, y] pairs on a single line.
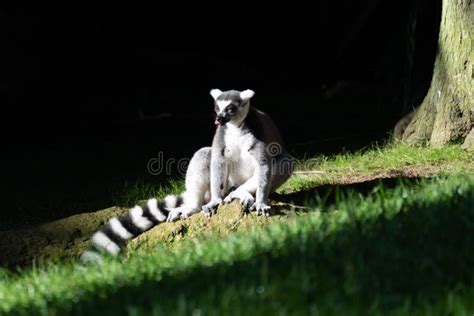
[[217, 122]]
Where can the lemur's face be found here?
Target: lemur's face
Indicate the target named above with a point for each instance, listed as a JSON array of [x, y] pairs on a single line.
[[231, 106]]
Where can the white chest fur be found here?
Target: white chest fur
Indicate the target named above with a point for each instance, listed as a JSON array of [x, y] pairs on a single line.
[[236, 143], [242, 165]]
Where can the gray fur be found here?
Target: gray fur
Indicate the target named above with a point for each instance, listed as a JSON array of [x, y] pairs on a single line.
[[233, 95], [247, 153]]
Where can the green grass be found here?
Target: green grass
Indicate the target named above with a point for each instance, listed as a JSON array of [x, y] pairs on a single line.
[[393, 159], [139, 191], [331, 169], [44, 206], [404, 250]]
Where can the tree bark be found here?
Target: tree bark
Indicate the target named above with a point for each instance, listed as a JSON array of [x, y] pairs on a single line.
[[446, 114]]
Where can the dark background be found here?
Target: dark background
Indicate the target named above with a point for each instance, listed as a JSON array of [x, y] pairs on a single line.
[[90, 94]]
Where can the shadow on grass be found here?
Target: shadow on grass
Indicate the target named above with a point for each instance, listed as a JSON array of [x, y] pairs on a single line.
[[328, 194], [417, 256]]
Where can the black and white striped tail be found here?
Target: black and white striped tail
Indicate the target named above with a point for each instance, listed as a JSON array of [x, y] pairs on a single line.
[[119, 230]]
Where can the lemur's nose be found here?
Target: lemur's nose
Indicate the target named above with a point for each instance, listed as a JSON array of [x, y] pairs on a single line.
[[219, 120]]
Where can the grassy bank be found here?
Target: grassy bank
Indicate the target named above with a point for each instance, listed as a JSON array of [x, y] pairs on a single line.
[[400, 250]]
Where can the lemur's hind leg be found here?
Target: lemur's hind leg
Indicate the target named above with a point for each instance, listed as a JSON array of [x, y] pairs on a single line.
[[197, 186], [282, 169]]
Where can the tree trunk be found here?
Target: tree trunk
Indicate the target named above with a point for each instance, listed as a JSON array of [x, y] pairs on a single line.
[[447, 113]]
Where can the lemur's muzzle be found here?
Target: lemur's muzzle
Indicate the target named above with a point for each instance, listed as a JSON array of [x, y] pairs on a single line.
[[220, 120]]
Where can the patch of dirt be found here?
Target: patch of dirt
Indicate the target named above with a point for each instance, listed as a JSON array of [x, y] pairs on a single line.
[[415, 171], [412, 171], [57, 240]]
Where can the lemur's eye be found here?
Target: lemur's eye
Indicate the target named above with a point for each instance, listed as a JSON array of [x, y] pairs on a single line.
[[231, 108], [216, 108]]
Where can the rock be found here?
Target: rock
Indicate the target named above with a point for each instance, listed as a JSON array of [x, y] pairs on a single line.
[[60, 239], [469, 141]]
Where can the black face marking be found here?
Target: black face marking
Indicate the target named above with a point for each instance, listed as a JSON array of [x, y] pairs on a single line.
[[223, 119], [231, 109], [227, 114]]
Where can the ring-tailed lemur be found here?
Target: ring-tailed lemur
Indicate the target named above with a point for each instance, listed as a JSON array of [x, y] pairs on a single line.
[[247, 161]]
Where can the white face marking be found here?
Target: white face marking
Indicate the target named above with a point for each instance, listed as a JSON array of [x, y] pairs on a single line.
[[222, 104]]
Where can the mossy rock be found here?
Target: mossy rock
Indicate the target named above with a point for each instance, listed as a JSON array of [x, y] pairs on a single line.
[[227, 219], [67, 238], [57, 240]]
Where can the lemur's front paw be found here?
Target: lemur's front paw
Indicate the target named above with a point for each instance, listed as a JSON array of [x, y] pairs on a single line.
[[246, 199], [211, 206], [179, 213], [174, 215], [261, 208]]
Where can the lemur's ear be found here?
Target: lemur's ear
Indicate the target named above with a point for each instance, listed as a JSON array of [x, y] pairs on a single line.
[[216, 93], [247, 94]]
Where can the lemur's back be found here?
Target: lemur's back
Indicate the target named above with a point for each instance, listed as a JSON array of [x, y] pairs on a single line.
[[264, 128]]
